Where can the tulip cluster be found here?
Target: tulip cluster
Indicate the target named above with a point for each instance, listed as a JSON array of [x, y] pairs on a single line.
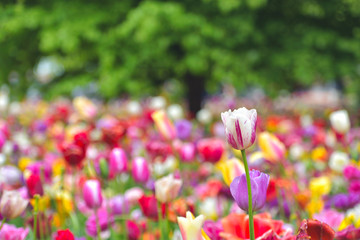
[[147, 169]]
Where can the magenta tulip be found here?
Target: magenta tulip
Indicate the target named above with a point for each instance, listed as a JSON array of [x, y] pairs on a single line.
[[92, 194], [118, 161], [140, 170]]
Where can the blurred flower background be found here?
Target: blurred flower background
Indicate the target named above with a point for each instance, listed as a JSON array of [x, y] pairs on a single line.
[[193, 120]]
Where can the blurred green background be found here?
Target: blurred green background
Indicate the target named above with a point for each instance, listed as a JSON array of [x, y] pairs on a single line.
[[132, 47]]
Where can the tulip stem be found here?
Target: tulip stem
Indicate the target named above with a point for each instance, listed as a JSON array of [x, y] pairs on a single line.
[[36, 209], [98, 228], [162, 235], [2, 223], [250, 212]]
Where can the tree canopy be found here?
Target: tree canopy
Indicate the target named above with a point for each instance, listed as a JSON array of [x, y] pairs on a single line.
[[133, 46]]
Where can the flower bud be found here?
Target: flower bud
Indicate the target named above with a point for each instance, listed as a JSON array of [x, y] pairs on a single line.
[[340, 121], [118, 161], [164, 125], [270, 145], [211, 149], [104, 168], [240, 127], [140, 170], [167, 188], [338, 161], [92, 194], [12, 204]]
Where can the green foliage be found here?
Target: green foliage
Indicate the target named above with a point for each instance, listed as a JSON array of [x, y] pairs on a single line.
[[134, 46]]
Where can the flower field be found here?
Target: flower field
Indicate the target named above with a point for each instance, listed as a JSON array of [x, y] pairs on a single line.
[[239, 169]]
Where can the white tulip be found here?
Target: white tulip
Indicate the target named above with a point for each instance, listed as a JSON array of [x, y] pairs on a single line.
[[240, 127], [340, 121], [338, 161]]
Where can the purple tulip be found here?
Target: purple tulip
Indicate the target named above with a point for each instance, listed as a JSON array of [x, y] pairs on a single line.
[[92, 194], [344, 201], [118, 161], [183, 129], [259, 184], [119, 205], [140, 170]]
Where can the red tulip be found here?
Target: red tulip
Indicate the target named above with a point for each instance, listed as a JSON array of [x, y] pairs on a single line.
[[148, 206], [133, 230], [34, 185], [211, 149], [64, 235], [315, 230], [73, 153]]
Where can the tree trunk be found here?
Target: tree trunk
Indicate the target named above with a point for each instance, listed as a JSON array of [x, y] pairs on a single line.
[[195, 92]]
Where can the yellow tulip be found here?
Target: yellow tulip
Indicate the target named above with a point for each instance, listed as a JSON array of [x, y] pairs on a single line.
[[230, 169], [320, 186], [272, 148]]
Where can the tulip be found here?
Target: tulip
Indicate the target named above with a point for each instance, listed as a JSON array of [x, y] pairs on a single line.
[[148, 206], [2, 139], [204, 116], [10, 232], [133, 108], [240, 127], [164, 125], [118, 161], [187, 152], [64, 235], [140, 170], [340, 121], [73, 154], [211, 149], [119, 205], [213, 229], [330, 217], [98, 224], [315, 230], [259, 185], [12, 204], [183, 129], [133, 229], [167, 188], [338, 161], [175, 111], [270, 145], [92, 194], [191, 228], [157, 103], [34, 185], [230, 169], [320, 186], [11, 176], [85, 107]]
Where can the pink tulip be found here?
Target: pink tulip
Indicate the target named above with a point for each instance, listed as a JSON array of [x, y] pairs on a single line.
[[10, 232], [92, 194], [187, 152], [118, 161], [140, 170]]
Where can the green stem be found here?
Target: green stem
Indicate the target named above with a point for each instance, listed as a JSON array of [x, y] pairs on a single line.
[[251, 217], [36, 208], [2, 223], [98, 229], [162, 236]]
